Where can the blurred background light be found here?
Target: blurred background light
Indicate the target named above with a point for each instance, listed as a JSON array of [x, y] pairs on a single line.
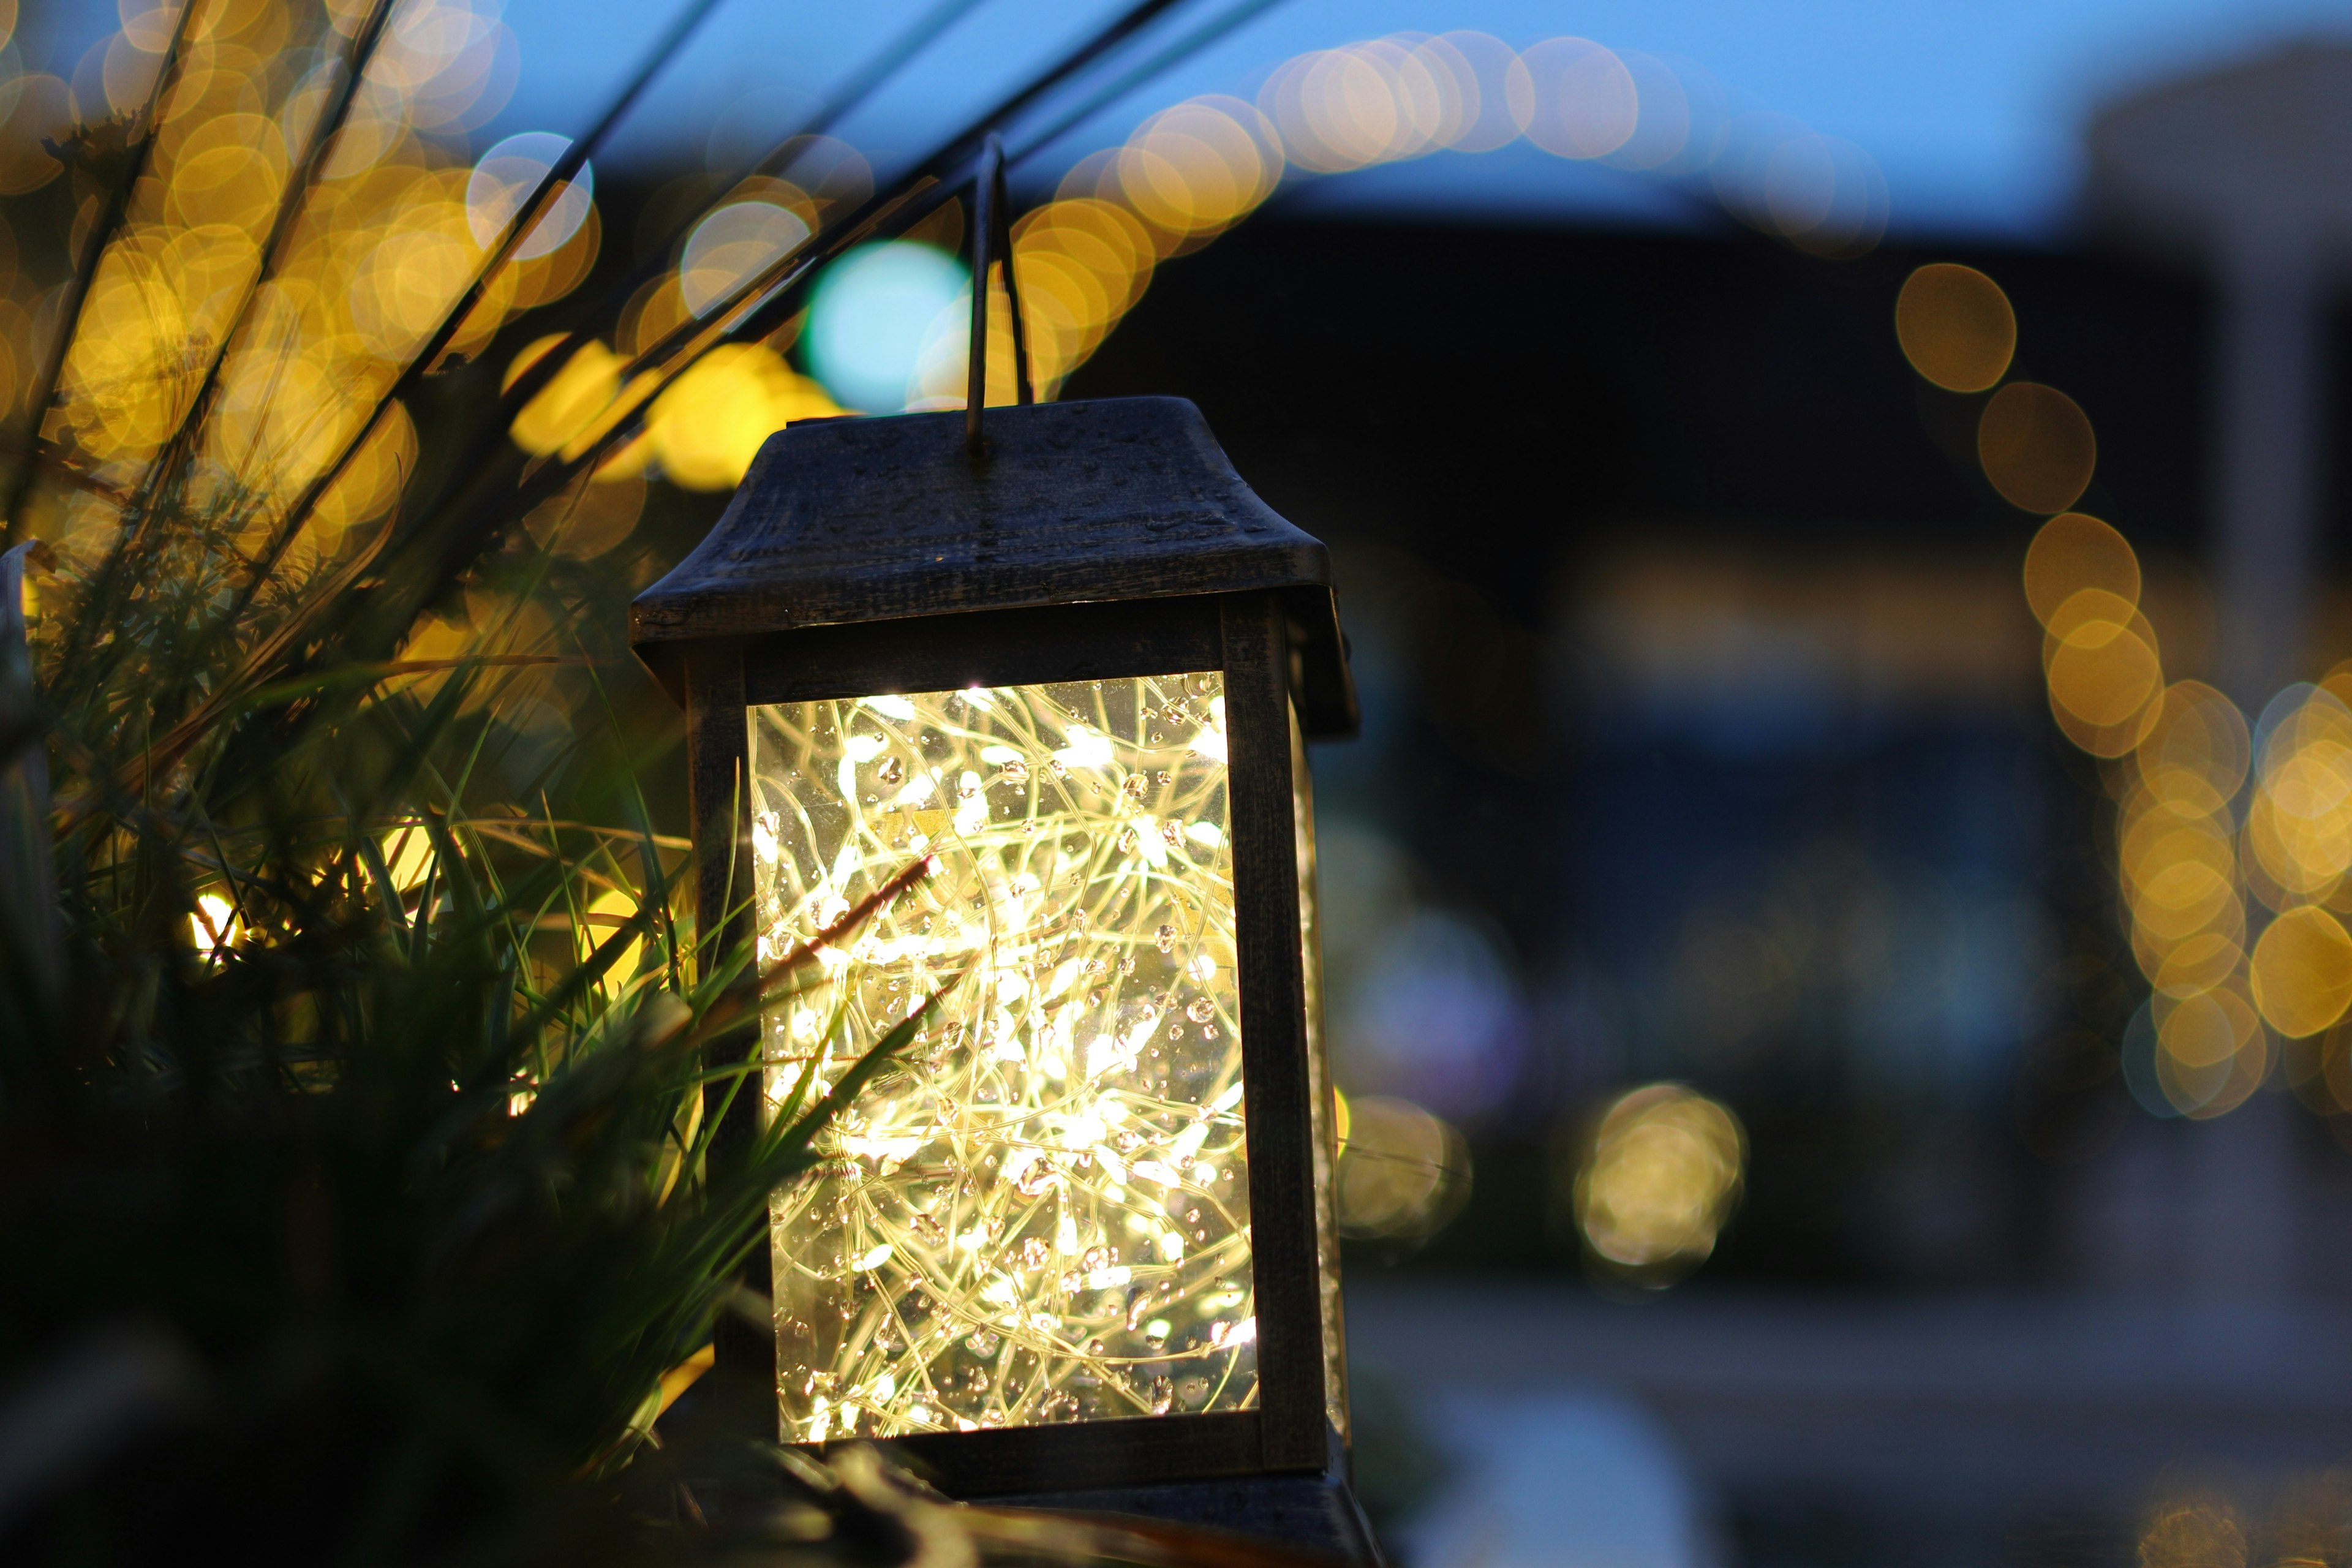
[[1658, 1181], [2037, 447], [505, 178], [1434, 1016], [873, 314], [736, 242], [1403, 1173], [1956, 326]]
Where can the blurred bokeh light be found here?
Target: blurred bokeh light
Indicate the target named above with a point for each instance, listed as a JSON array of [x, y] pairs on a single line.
[[872, 316], [1403, 1173], [1658, 1181]]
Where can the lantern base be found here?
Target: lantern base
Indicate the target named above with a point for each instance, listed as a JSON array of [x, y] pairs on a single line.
[[1318, 1513]]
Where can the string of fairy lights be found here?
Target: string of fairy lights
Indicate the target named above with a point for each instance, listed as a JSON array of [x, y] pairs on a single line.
[[1046, 1216], [2232, 843]]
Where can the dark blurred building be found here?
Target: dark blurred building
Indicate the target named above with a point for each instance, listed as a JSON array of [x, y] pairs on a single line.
[[1703, 709]]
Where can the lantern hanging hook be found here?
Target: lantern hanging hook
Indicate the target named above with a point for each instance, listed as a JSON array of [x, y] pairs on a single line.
[[991, 239]]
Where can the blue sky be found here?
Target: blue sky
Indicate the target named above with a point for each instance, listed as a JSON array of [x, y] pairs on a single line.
[[1972, 108]]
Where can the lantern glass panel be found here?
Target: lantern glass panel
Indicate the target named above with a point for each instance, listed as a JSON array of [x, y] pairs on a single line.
[[1044, 1217], [1323, 1111]]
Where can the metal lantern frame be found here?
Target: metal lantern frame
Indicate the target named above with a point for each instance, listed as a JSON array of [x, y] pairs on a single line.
[[1084, 540]]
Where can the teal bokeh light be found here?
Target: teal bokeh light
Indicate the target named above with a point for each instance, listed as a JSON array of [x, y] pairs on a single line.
[[871, 317]]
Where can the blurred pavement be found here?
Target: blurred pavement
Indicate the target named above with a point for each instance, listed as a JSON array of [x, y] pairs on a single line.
[[1984, 1414]]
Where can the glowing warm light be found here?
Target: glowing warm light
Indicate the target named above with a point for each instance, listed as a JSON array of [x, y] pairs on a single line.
[[1190, 171], [214, 925], [1662, 1179], [1955, 328], [709, 424], [2212, 1051], [1196, 168], [2198, 962], [1487, 85], [604, 915], [2036, 447], [571, 398], [2103, 669], [1044, 1217], [944, 372], [504, 180], [2302, 972], [370, 483], [408, 856], [1080, 264], [2073, 551], [2197, 753], [1666, 120], [2197, 1530], [2298, 834], [1403, 1173], [1585, 101], [589, 516], [735, 244], [1343, 108]]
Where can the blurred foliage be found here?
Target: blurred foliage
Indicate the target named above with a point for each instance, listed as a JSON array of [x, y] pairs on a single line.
[[363, 1075]]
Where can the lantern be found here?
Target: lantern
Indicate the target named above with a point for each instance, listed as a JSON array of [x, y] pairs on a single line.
[[1085, 1237]]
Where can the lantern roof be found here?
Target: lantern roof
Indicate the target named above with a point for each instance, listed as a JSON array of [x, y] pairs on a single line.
[[842, 522]]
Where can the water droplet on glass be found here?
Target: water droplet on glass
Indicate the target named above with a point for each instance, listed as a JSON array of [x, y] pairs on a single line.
[[890, 771], [1033, 1252], [1166, 937], [1136, 787], [1127, 963], [1175, 1031], [1015, 771], [1202, 1010], [1128, 841]]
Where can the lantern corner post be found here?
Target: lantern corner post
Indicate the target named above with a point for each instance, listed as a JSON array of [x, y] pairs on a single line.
[[718, 779], [718, 755], [1278, 1104]]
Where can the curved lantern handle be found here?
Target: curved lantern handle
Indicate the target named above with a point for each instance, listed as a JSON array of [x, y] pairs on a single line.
[[991, 235]]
